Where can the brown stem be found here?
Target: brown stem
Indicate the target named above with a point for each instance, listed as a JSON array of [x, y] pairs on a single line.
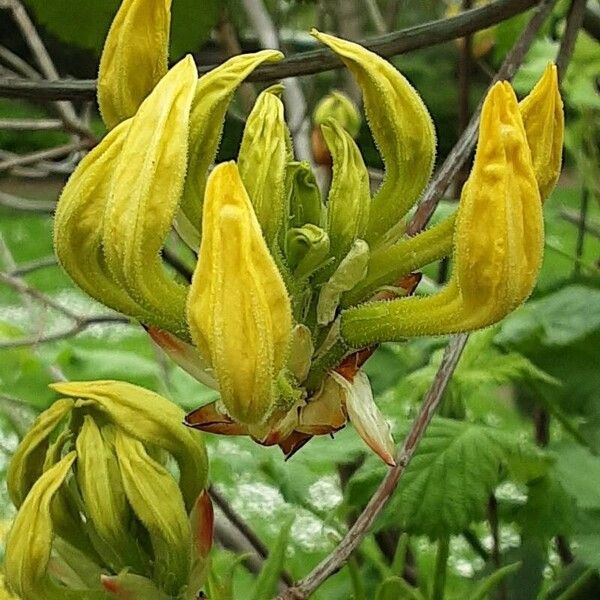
[[308, 63], [355, 534], [572, 27]]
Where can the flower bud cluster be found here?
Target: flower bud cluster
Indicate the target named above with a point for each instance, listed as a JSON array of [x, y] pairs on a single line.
[[293, 288], [100, 512]]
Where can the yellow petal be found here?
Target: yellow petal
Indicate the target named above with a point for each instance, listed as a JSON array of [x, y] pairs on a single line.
[[544, 120], [263, 158], [145, 193], [78, 226], [238, 308], [213, 94], [401, 127], [498, 241], [134, 58]]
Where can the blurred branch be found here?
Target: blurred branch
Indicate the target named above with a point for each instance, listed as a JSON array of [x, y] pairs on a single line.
[[18, 64], [30, 124], [461, 152], [569, 37], [65, 109], [575, 217], [331, 564], [591, 23], [293, 95], [376, 16], [242, 527], [34, 265], [80, 322], [307, 63], [41, 206], [38, 155]]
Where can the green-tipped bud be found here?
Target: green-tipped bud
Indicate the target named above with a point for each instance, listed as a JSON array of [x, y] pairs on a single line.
[[134, 58], [263, 158], [337, 106], [213, 95], [156, 500], [349, 197], [306, 250], [304, 197], [28, 460]]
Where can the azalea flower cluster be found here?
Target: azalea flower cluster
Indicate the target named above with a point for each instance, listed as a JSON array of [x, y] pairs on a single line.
[[292, 291], [100, 512]]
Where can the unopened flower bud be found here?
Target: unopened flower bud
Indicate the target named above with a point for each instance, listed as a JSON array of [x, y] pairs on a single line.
[[337, 106], [134, 58], [306, 250], [544, 121], [238, 308], [304, 203]]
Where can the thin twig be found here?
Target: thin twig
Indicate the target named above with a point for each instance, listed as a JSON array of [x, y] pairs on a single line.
[[355, 534], [38, 155], [376, 16], [573, 216], [80, 323], [65, 109], [308, 63], [18, 64], [243, 528], [33, 265], [569, 37], [465, 144], [30, 124], [25, 204]]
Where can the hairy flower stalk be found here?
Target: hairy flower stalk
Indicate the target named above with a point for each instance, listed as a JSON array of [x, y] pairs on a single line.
[[99, 510], [294, 288]]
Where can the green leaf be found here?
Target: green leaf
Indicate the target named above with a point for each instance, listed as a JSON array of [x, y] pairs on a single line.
[[266, 584], [395, 587], [579, 472], [549, 511], [452, 474], [587, 538], [85, 23]]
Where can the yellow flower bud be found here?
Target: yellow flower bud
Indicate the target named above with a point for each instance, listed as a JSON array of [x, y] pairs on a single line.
[[544, 120], [134, 58], [150, 418], [498, 241], [102, 492], [238, 308], [145, 193], [349, 196], [29, 542], [28, 460], [78, 226], [156, 500], [401, 127], [337, 106], [213, 94], [263, 158]]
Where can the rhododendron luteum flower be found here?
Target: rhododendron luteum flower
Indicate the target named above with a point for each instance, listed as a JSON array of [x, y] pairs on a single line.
[[292, 292]]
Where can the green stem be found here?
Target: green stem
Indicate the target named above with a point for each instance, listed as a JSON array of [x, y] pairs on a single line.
[[441, 567]]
